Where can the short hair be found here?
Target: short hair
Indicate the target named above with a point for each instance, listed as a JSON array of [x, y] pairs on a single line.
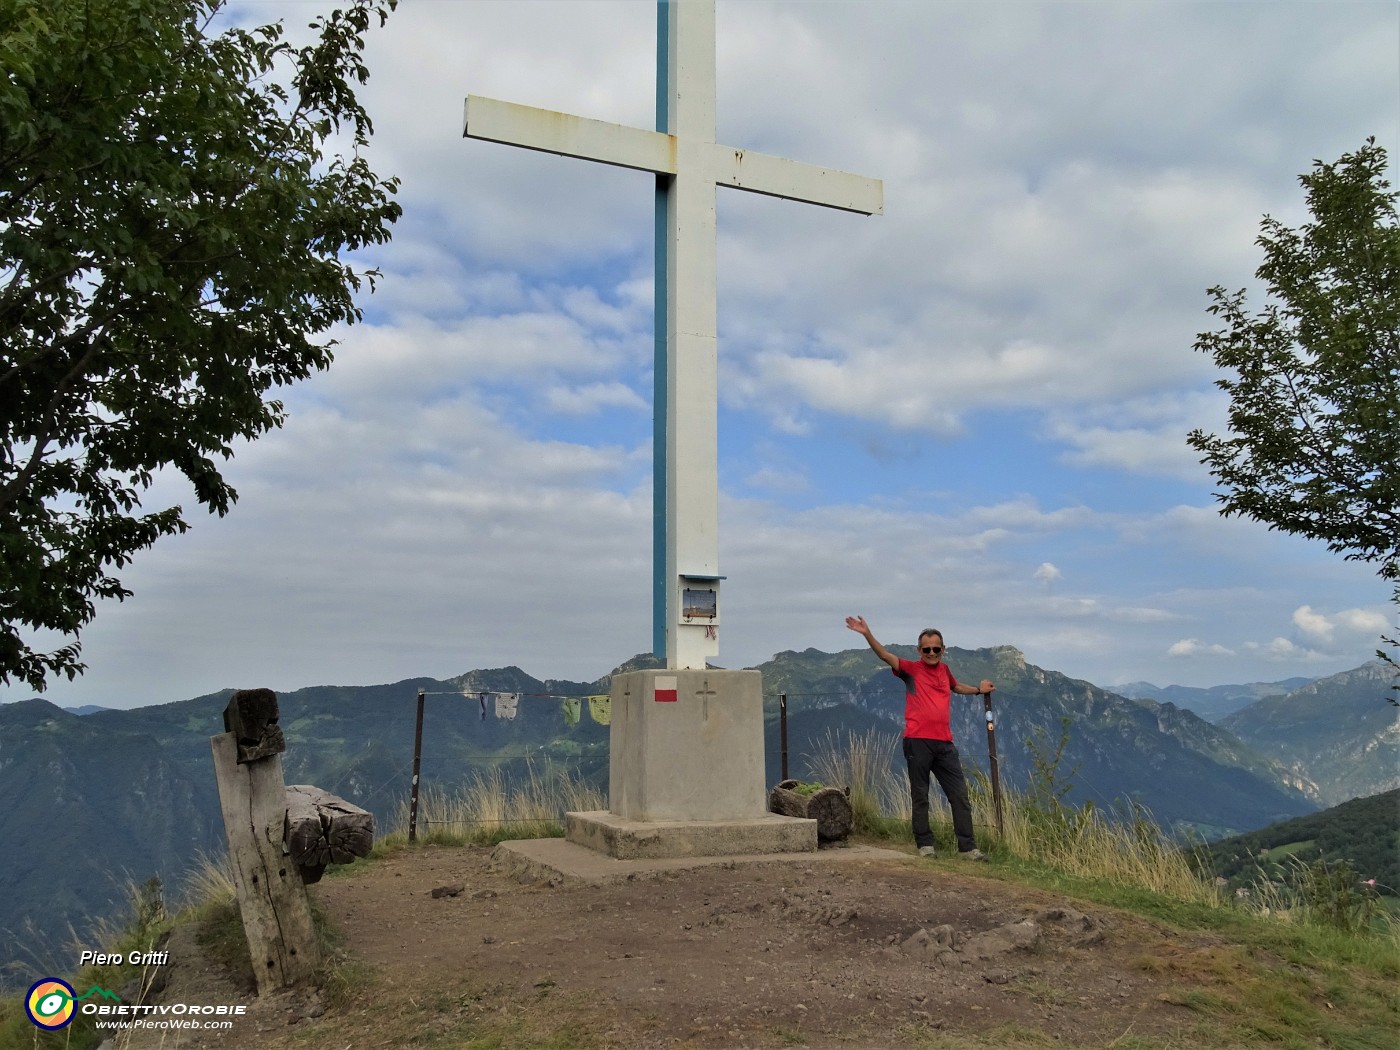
[[931, 630]]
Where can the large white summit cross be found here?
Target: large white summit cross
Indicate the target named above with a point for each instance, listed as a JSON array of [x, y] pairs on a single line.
[[689, 164]]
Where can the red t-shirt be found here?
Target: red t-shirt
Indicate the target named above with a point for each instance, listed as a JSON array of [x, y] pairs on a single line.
[[927, 696]]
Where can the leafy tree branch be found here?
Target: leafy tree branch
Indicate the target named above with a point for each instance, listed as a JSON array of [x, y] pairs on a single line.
[[172, 231], [1314, 378]]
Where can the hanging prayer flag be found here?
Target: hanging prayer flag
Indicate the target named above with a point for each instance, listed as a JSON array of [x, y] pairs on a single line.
[[665, 689], [572, 706], [600, 707]]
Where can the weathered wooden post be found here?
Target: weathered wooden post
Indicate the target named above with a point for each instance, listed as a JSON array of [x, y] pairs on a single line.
[[782, 730], [996, 768], [271, 893]]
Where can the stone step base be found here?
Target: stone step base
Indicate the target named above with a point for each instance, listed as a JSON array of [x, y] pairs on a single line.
[[625, 839]]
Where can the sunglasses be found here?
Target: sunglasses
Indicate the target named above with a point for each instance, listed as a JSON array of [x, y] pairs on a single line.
[[931, 649]]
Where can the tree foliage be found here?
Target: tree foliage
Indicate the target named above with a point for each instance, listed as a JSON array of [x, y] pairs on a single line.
[[1314, 442], [175, 207]]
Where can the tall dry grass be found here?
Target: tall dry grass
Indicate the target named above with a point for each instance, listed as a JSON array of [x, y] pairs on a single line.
[[1128, 848], [860, 763], [209, 882], [489, 808]]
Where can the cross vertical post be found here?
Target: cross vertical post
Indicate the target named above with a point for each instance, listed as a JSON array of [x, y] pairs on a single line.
[[688, 164], [688, 357]]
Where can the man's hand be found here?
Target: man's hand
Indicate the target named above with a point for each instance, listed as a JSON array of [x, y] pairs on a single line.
[[858, 624]]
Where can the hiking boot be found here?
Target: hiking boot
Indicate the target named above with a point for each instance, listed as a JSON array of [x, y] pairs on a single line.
[[973, 854], [928, 851]]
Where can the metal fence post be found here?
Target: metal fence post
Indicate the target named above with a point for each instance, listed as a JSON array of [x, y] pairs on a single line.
[[417, 761]]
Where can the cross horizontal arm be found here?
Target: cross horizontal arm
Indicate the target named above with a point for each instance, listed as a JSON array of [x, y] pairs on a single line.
[[793, 180], [569, 136]]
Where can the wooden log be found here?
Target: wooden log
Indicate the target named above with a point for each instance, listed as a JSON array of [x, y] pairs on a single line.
[[271, 895], [321, 828], [782, 799], [830, 807]]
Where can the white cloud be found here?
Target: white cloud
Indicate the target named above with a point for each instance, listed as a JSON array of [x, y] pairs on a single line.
[[1278, 649], [1321, 629], [1024, 513], [1312, 624], [1145, 615], [417, 360], [1364, 621], [1195, 647], [587, 400], [773, 480], [1047, 574], [1144, 435]]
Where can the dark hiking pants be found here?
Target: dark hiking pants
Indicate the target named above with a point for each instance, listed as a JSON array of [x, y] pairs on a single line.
[[938, 759]]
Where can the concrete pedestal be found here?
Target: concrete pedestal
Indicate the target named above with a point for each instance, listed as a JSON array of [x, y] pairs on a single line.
[[686, 772]]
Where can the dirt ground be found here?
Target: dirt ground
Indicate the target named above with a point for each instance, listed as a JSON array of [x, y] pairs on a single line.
[[813, 952]]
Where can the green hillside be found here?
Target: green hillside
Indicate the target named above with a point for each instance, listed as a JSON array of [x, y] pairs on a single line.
[[1364, 833]]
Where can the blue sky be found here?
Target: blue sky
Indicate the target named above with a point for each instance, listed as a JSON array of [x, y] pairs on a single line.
[[969, 412]]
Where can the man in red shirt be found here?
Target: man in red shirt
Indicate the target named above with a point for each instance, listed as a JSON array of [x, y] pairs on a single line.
[[928, 734]]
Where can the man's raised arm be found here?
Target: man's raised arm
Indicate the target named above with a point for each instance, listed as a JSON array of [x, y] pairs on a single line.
[[858, 624]]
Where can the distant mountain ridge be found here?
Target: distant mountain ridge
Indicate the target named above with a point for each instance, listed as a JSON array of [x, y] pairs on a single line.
[[86, 709], [92, 799], [1340, 731], [1212, 703]]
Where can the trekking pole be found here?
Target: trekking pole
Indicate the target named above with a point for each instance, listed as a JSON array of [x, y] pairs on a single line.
[[992, 755]]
